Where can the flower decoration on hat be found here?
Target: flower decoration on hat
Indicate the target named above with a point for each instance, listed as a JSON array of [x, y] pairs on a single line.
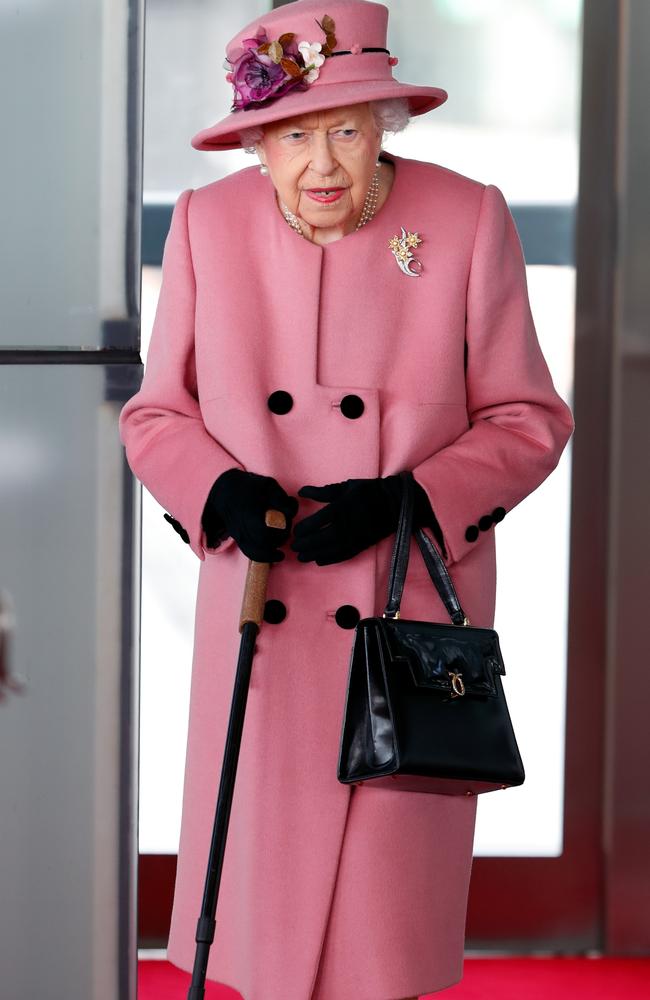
[[263, 70]]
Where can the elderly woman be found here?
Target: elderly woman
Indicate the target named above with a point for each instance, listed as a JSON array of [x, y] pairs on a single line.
[[327, 319]]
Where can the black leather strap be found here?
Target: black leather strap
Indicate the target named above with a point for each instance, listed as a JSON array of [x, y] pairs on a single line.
[[401, 548], [432, 558], [440, 576]]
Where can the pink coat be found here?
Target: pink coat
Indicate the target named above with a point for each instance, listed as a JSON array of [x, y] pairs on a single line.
[[370, 883]]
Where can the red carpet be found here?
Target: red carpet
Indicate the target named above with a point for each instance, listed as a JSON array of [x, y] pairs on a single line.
[[552, 979], [483, 979]]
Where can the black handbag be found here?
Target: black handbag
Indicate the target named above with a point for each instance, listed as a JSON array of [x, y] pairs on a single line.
[[425, 709]]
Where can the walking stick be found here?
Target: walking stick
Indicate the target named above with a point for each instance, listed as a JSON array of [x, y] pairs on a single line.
[[250, 619]]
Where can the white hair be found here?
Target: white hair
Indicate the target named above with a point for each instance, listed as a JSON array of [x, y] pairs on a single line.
[[391, 114]]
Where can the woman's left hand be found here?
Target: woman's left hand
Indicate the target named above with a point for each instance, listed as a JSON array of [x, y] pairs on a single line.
[[359, 512]]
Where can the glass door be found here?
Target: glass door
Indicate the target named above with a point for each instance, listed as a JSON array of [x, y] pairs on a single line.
[[512, 70]]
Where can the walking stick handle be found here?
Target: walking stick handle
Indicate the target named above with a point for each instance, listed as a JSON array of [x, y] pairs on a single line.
[[254, 599]]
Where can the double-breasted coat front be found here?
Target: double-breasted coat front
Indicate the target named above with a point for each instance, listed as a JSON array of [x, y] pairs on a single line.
[[314, 364]]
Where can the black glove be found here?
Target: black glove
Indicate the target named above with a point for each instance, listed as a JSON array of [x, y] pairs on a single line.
[[360, 513], [237, 504]]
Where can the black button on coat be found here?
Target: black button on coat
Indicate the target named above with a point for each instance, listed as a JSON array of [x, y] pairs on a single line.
[[280, 401], [352, 406]]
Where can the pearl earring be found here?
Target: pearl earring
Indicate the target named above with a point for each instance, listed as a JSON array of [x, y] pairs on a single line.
[[264, 169]]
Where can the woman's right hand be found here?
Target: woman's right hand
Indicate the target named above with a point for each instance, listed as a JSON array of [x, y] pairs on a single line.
[[237, 505]]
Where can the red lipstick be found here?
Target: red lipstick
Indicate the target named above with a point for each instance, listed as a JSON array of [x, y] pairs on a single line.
[[325, 195]]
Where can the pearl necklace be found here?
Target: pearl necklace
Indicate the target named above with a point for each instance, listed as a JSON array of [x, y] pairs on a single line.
[[367, 212]]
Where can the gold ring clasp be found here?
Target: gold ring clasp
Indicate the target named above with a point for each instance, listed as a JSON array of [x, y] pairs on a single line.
[[458, 686]]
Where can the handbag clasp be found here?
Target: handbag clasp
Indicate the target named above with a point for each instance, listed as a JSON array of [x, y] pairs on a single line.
[[396, 615], [458, 687]]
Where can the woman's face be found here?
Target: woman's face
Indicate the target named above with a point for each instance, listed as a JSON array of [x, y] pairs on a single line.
[[320, 151]]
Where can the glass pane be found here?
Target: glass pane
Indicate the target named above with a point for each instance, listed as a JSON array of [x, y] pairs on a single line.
[[169, 582], [532, 593], [512, 71], [526, 820], [67, 835], [186, 90], [68, 87], [170, 576]]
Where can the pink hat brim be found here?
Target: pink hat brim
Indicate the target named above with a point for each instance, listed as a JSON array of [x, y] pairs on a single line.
[[223, 134]]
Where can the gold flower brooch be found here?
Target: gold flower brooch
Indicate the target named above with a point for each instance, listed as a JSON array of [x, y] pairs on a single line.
[[401, 247]]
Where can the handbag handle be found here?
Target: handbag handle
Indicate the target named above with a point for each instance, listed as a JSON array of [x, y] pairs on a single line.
[[401, 549], [432, 558]]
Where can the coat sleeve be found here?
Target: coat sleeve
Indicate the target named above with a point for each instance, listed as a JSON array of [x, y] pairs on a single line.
[[161, 427], [519, 425]]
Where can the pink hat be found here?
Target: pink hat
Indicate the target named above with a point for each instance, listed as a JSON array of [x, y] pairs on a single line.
[[308, 56]]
